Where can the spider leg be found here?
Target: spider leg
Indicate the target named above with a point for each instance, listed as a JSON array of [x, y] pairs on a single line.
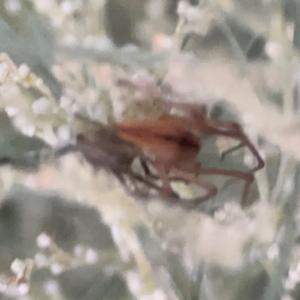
[[246, 176], [168, 194], [136, 177], [233, 130], [232, 149], [146, 168], [149, 174], [211, 189], [166, 188], [246, 142]]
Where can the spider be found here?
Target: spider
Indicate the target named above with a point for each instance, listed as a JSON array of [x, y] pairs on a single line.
[[170, 145]]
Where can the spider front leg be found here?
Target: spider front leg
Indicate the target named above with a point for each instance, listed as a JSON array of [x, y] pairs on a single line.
[[232, 149], [233, 130]]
